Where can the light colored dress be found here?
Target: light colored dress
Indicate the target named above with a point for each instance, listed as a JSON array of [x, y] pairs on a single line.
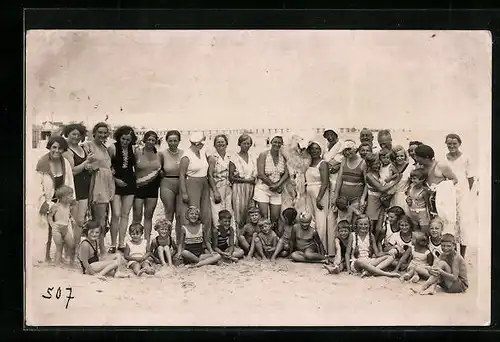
[[466, 205], [102, 183], [399, 198], [221, 178], [294, 192], [243, 192]]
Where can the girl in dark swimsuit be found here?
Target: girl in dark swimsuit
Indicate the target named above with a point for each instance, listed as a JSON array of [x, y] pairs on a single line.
[[123, 165]]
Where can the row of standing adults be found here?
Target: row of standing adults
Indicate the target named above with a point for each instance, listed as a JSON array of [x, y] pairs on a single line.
[[307, 175]]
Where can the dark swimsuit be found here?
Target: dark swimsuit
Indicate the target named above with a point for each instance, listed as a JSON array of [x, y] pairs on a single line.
[[93, 258], [82, 180], [124, 170], [58, 182], [223, 239]]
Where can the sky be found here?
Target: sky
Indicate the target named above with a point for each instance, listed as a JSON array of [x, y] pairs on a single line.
[[260, 79]]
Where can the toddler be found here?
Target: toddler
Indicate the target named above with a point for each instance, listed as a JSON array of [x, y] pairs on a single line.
[[223, 238], [288, 220], [388, 227], [266, 240], [249, 231], [418, 200], [307, 244], [341, 242], [421, 257], [137, 251], [163, 247]]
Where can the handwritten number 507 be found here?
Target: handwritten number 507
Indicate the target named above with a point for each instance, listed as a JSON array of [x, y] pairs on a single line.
[[58, 294]]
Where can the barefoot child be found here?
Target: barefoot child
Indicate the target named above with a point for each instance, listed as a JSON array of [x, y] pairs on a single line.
[[421, 257], [267, 240], [163, 247], [418, 200], [401, 242], [305, 239], [89, 257], [436, 233], [288, 220], [363, 253], [341, 242], [137, 251], [223, 238], [450, 273], [388, 227], [192, 240], [59, 219], [346, 211], [249, 231]]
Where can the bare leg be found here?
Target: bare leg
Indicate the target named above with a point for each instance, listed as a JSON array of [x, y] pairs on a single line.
[[207, 259], [312, 256], [298, 256], [259, 248], [79, 215], [189, 257], [275, 211], [422, 272], [251, 252], [409, 273], [238, 253], [244, 244], [48, 244], [116, 207], [127, 202], [100, 217], [264, 209], [137, 210], [367, 266], [149, 209], [385, 262]]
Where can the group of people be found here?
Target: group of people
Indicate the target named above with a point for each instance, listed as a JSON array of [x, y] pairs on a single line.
[[355, 207]]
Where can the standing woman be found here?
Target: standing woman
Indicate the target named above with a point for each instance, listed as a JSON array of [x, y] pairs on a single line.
[[123, 164], [242, 174], [194, 187], [351, 178], [75, 134], [461, 166], [400, 160], [318, 199], [170, 160], [218, 178], [102, 183], [148, 178], [272, 172], [53, 171]]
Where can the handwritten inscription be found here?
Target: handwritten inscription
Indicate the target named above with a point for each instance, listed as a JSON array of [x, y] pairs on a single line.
[[58, 293]]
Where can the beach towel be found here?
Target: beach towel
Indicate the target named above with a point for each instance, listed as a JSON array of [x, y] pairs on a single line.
[[446, 205]]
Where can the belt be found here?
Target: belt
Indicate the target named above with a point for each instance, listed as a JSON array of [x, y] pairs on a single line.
[[170, 176], [352, 183], [418, 210]]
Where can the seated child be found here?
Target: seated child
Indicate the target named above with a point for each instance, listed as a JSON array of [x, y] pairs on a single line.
[[341, 242], [421, 257], [307, 244], [401, 242], [137, 251], [223, 238], [388, 226], [163, 247], [89, 257], [59, 218], [362, 254], [450, 273], [249, 231], [192, 239], [436, 233], [418, 197], [346, 211], [288, 219], [266, 240]]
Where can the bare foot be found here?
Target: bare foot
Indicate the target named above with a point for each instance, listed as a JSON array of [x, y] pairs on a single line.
[[414, 290], [415, 278], [393, 274], [405, 277], [122, 275], [101, 277], [365, 274], [428, 291]]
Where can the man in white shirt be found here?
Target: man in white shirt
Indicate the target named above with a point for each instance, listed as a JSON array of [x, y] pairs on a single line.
[[384, 139], [366, 136]]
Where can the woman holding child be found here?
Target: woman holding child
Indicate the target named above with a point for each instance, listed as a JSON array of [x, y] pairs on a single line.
[[401, 163]]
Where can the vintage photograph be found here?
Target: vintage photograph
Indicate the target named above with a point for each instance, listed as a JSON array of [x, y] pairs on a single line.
[[257, 178]]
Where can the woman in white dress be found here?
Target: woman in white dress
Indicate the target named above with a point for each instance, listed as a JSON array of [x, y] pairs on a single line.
[[400, 160], [461, 166]]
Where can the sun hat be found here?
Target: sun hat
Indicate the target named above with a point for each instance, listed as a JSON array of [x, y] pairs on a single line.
[[329, 130], [305, 217], [348, 144], [197, 137]]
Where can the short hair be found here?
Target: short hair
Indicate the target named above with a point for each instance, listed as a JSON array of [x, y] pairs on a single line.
[[419, 173], [406, 218], [173, 132], [363, 217], [124, 130], [384, 152], [223, 136], [421, 236], [397, 149], [453, 136], [342, 203], [63, 144], [383, 133], [191, 209], [396, 210], [162, 222], [343, 224], [99, 125], [253, 210], [92, 224], [290, 214], [151, 133], [366, 130], [370, 159], [263, 221], [424, 151], [439, 221], [270, 140], [224, 214], [415, 142], [447, 237], [62, 191], [244, 137], [136, 227], [311, 144], [364, 144], [67, 129]]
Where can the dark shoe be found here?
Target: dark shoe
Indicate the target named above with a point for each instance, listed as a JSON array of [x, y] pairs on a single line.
[[121, 249], [112, 250]]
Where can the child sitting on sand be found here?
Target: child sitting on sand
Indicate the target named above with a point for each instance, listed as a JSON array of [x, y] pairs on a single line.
[[137, 251], [341, 242], [450, 273], [286, 223], [89, 257], [223, 238], [418, 197], [163, 246], [346, 211], [421, 257], [192, 239], [249, 231], [307, 244], [59, 219], [363, 253], [266, 240], [388, 227], [400, 242], [436, 234]]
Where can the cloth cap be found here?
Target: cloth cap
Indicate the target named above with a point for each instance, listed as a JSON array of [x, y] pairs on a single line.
[[197, 137]]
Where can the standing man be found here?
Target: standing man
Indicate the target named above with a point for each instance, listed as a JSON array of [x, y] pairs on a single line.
[[384, 139], [366, 136]]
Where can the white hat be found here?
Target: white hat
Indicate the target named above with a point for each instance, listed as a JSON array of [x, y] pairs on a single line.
[[197, 137], [348, 144]]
